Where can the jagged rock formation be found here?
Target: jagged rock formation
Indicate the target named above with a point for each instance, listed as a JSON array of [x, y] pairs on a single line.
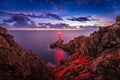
[[96, 57], [104, 67], [17, 63], [107, 39]]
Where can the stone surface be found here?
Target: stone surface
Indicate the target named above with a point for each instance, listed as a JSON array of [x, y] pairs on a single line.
[[17, 63], [107, 39], [118, 19], [103, 67], [96, 57]]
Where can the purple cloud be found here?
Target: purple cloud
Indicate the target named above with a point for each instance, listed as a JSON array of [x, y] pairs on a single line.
[[83, 19]]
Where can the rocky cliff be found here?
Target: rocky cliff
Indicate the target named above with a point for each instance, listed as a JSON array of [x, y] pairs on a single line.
[[96, 57], [105, 40], [103, 67], [17, 63]]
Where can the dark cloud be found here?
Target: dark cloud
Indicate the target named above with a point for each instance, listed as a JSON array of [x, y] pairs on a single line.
[[54, 16], [20, 21], [4, 24], [59, 25], [95, 19], [8, 21], [83, 19], [43, 15], [33, 15]]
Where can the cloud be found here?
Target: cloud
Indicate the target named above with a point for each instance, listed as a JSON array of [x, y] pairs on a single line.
[[43, 15], [54, 16], [33, 14], [82, 19], [58, 25], [8, 21], [19, 21], [4, 24], [24, 21]]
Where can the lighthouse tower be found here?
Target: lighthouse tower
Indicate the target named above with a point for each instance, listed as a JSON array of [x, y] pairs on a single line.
[[59, 43], [59, 36]]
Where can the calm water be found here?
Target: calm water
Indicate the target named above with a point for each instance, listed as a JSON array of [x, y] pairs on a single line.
[[39, 41]]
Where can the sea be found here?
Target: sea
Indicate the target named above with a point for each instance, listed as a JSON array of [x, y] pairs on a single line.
[[39, 41]]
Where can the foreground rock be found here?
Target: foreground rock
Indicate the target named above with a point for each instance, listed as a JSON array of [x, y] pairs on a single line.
[[17, 63], [96, 57], [104, 67]]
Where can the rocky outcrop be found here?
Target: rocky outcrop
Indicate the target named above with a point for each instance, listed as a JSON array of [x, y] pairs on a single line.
[[118, 20], [17, 63], [104, 67], [96, 57], [58, 43], [107, 39]]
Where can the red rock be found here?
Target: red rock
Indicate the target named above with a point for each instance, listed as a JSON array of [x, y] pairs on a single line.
[[102, 49]]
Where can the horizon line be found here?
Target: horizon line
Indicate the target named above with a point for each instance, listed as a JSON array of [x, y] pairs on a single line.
[[11, 29]]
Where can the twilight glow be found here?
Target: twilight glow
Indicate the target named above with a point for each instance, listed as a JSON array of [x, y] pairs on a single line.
[[57, 13]]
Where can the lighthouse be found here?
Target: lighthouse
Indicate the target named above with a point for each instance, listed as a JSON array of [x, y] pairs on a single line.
[[59, 43], [59, 36]]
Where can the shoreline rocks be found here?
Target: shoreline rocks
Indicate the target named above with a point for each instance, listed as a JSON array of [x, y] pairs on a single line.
[[107, 39], [17, 63], [96, 57]]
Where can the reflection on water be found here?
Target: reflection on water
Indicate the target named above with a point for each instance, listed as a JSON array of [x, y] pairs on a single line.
[[59, 56]]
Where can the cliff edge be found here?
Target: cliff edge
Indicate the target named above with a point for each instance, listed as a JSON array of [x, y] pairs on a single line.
[[17, 63], [106, 39], [96, 57]]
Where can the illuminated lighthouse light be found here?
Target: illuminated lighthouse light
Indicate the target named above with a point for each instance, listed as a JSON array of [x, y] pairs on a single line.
[[59, 35]]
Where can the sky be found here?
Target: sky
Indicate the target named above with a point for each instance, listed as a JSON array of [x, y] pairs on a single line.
[[69, 12]]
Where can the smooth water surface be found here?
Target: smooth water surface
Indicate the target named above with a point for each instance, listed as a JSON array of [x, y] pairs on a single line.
[[39, 41]]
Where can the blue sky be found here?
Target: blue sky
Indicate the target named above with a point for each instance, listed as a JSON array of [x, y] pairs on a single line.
[[73, 12]]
